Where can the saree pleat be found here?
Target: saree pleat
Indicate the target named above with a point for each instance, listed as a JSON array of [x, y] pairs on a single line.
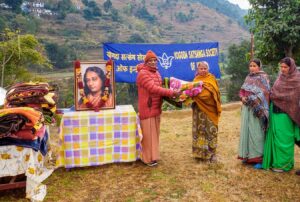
[[280, 141], [252, 137], [204, 135]]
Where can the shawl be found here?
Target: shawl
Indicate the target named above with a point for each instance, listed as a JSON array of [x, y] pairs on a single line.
[[285, 93], [209, 100], [256, 89]]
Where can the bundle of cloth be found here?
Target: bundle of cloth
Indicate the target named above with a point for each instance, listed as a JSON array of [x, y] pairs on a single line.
[[23, 126], [188, 89], [38, 95]]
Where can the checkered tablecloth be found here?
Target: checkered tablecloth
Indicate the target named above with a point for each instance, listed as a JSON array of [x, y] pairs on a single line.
[[91, 138]]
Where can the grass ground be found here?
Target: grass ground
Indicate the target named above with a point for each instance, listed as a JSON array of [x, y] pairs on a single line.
[[178, 177]]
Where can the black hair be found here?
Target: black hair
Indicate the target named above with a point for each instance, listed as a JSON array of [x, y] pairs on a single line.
[[256, 61], [102, 77], [286, 61]]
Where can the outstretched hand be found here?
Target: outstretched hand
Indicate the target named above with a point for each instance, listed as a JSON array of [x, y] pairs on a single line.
[[244, 100], [176, 93]]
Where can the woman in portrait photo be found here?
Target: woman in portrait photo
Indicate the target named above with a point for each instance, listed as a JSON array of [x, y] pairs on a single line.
[[94, 88]]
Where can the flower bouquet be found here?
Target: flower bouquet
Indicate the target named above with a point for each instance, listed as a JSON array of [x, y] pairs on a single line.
[[188, 90]]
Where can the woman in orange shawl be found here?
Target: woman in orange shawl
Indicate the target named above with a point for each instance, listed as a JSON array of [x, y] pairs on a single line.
[[206, 114]]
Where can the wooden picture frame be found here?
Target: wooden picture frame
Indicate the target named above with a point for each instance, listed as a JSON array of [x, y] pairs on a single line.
[[90, 86]]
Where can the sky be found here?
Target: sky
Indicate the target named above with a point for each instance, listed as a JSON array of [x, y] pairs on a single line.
[[244, 4]]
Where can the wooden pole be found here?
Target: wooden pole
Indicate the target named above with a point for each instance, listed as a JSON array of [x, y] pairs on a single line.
[[252, 46]]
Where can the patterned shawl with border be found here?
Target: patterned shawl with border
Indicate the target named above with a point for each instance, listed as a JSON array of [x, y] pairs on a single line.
[[256, 89]]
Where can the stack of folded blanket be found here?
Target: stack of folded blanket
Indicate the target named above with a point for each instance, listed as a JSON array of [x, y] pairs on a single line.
[[23, 126], [37, 95], [28, 108]]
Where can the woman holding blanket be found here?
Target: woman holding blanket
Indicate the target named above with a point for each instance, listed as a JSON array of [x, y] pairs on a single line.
[[206, 114], [254, 94], [150, 93], [284, 124]]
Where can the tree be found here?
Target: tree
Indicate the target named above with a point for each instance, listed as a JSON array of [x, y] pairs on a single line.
[[92, 4], [276, 27], [64, 7], [115, 15], [143, 13], [237, 67], [61, 56], [27, 24], [107, 5], [97, 12], [88, 14], [15, 5], [181, 17], [17, 53], [92, 11], [127, 94], [85, 2], [136, 38], [2, 24]]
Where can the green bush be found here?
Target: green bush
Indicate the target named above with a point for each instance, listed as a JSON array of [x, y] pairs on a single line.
[[136, 38], [61, 56], [143, 13], [88, 14]]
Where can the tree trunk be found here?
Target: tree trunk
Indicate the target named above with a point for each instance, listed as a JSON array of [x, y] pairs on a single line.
[[2, 75], [288, 51], [4, 62]]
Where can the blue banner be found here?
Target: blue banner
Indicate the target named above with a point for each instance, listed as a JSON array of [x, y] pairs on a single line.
[[177, 60]]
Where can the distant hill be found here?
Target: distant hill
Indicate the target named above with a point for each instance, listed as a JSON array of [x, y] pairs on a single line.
[[226, 8], [88, 25]]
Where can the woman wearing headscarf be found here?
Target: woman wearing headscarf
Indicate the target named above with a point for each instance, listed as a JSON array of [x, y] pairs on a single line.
[[150, 93], [254, 94], [284, 124], [206, 114]]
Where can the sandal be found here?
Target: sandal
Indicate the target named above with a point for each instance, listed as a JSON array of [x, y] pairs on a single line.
[[277, 170], [151, 164]]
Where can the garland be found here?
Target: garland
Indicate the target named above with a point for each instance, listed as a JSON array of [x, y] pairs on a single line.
[[105, 96]]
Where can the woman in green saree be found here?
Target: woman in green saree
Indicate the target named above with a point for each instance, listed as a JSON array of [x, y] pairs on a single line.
[[284, 117]]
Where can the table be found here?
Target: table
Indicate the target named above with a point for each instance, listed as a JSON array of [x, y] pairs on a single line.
[[15, 160], [89, 138]]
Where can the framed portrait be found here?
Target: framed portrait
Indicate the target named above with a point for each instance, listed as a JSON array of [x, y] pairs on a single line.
[[94, 85]]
